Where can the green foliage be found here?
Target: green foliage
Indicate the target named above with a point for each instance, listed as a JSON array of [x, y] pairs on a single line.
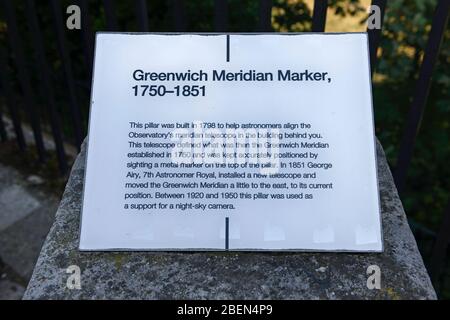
[[405, 34]]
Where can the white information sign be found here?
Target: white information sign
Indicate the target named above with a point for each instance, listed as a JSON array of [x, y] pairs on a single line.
[[231, 142]]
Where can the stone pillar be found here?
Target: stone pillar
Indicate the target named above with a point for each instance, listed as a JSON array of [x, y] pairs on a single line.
[[229, 275]]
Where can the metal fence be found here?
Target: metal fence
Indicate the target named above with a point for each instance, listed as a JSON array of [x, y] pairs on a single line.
[[14, 53]]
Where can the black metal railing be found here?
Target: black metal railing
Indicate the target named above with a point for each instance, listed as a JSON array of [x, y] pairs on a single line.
[[14, 52]]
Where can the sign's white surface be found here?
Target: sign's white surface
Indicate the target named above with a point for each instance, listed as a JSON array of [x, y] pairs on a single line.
[[240, 142]]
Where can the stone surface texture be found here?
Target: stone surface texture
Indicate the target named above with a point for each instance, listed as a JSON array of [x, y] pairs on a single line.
[[27, 212], [229, 275]]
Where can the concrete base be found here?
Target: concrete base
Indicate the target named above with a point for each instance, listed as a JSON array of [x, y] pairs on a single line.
[[226, 275]]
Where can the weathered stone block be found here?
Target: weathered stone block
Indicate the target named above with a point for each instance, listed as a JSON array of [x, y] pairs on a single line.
[[227, 275]]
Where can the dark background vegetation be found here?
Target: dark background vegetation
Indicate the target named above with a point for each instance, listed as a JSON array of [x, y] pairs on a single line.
[[405, 33]]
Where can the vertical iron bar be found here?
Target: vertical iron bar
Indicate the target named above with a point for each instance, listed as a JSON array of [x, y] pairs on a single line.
[[421, 93], [265, 16], [86, 33], [24, 77], [440, 247], [11, 101], [142, 15], [111, 21], [3, 134], [319, 15], [74, 107], [375, 34], [46, 86], [220, 15], [179, 18]]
